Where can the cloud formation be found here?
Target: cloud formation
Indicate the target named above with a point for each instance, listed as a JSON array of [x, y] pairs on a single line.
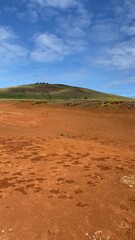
[[68, 34], [62, 4], [48, 48], [9, 49], [120, 56], [114, 35], [107, 38]]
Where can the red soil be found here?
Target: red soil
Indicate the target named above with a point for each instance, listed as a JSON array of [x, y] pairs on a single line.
[[61, 173]]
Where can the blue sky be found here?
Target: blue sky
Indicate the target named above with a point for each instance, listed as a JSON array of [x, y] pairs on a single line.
[[88, 43]]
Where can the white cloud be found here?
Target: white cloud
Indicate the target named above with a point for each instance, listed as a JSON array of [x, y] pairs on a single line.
[[129, 6], [30, 15], [122, 82], [48, 48], [69, 31], [62, 4], [36, 10], [75, 25], [68, 35], [129, 30], [9, 49], [120, 56], [5, 33], [73, 28], [10, 9], [50, 41], [105, 31], [40, 55], [113, 37], [67, 38]]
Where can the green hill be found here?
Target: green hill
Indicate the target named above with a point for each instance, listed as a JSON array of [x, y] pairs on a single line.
[[54, 92]]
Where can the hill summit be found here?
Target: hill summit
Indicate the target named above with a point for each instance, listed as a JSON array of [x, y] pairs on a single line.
[[45, 91]]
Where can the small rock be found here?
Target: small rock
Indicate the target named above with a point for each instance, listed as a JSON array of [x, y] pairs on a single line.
[[53, 231], [130, 180]]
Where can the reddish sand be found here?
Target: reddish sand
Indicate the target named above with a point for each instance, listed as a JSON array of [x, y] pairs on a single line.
[[66, 173]]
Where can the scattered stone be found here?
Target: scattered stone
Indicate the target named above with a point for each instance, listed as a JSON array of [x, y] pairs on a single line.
[[129, 180], [53, 231], [100, 235], [78, 190]]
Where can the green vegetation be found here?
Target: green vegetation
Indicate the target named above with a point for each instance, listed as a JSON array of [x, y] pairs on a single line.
[[55, 92]]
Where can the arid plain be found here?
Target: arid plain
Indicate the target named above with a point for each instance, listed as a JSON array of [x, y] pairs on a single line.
[[66, 173]]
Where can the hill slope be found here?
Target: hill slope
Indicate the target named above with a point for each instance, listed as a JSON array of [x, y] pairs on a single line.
[[53, 92]]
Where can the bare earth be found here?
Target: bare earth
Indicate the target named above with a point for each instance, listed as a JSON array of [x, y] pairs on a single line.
[[66, 173]]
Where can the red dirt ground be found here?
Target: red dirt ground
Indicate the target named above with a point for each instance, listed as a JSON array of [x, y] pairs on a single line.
[[66, 173]]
